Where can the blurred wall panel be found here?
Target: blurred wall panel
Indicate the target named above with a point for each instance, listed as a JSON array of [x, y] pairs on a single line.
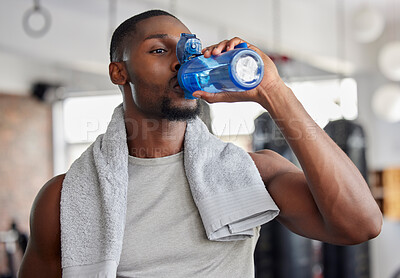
[[26, 156]]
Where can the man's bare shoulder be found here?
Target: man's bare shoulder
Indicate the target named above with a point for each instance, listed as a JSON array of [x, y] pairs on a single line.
[[50, 191], [271, 164], [45, 214], [43, 255]]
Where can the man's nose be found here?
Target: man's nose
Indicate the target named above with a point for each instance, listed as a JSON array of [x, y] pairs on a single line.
[[175, 65]]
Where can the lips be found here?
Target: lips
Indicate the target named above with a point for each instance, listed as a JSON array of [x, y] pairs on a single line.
[[175, 86], [178, 90]]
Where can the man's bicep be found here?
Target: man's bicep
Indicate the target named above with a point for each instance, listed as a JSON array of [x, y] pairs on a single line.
[[43, 255], [270, 165], [298, 210]]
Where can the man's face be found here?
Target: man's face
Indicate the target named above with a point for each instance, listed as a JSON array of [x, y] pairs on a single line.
[[153, 69]]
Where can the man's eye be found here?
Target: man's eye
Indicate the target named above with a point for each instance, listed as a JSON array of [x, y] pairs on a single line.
[[158, 51]]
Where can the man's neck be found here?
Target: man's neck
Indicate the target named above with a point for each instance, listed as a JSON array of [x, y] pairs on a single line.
[[151, 138]]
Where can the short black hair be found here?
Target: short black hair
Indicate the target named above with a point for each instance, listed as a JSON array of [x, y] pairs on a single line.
[[122, 35]]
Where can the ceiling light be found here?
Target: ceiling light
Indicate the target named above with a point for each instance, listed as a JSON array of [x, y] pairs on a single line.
[[386, 102]]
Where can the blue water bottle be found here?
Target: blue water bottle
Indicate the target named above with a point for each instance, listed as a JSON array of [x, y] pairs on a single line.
[[240, 69]]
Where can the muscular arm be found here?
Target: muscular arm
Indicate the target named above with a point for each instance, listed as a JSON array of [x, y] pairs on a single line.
[[329, 200], [43, 254], [289, 188], [347, 212]]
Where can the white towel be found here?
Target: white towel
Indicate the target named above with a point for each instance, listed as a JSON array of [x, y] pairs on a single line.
[[224, 181]]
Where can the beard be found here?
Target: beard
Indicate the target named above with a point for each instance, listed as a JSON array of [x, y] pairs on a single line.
[[171, 113], [165, 109]]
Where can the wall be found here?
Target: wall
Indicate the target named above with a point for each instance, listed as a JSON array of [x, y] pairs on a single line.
[[383, 138], [385, 251], [26, 156]]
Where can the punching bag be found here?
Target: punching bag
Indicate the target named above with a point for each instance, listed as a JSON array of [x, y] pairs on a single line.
[[279, 252]]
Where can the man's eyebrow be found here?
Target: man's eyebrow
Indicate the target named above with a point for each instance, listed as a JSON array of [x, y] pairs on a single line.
[[157, 36]]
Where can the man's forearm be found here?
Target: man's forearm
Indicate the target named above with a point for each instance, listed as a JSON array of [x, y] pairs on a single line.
[[339, 190]]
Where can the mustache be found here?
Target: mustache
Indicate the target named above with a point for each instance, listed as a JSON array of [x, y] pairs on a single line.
[[173, 81]]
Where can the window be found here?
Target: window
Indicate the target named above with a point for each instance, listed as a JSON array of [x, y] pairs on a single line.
[[79, 120], [324, 100]]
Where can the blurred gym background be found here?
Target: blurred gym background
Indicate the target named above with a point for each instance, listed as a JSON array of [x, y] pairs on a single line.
[[341, 59]]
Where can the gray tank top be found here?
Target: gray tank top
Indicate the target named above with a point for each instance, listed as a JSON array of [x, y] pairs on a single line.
[[164, 235]]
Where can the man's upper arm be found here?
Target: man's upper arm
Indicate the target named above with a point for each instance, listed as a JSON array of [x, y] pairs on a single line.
[[288, 188], [43, 254]]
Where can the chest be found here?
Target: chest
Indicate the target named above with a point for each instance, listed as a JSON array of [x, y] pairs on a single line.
[[164, 233]]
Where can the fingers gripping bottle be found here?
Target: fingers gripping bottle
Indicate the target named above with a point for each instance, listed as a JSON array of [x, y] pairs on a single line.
[[240, 69]]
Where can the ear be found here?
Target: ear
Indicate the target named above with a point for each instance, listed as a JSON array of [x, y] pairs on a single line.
[[118, 73]]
